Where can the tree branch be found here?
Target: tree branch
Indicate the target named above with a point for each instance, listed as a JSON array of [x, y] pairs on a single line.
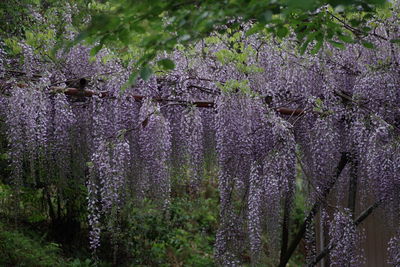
[[200, 104], [355, 30], [353, 186], [285, 227], [342, 163], [356, 222]]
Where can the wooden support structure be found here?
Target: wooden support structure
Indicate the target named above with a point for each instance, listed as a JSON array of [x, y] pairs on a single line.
[[201, 104]]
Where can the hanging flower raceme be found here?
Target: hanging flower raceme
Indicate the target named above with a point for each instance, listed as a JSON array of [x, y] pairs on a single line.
[[383, 168], [94, 209], [255, 206], [321, 154], [63, 120], [108, 171], [344, 241], [30, 59], [394, 250], [272, 179], [233, 130], [310, 241], [109, 166], [28, 128], [155, 149], [192, 131], [279, 165], [380, 89]]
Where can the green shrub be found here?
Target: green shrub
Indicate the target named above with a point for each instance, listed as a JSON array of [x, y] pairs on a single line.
[[16, 249], [183, 237]]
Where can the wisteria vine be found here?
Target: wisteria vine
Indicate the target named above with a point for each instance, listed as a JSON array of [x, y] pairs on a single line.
[[268, 113]]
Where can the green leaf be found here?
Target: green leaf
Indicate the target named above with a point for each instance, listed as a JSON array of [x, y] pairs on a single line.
[[320, 37], [132, 78], [366, 29], [184, 38], [355, 22], [317, 47], [301, 4], [366, 7], [137, 28], [124, 36], [395, 41], [254, 29], [30, 37], [319, 102], [368, 45], [81, 36], [166, 63], [4, 156], [368, 16], [145, 72], [346, 39], [282, 32], [304, 47], [89, 164], [265, 17], [96, 49], [131, 81], [313, 35], [337, 44]]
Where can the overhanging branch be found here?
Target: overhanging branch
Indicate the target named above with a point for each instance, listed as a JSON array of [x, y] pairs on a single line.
[[201, 104], [364, 215], [342, 163]]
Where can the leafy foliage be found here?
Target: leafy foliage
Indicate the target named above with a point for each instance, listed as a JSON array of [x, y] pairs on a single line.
[[18, 250], [27, 249], [186, 238], [158, 26]]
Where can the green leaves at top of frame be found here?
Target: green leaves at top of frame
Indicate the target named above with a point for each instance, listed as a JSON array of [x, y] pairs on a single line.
[[146, 71], [154, 26], [301, 4]]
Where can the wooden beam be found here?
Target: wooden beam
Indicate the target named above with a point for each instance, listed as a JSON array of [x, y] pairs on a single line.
[[200, 104]]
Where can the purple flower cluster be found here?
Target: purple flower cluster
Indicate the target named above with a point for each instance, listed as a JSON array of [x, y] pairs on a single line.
[[255, 209], [63, 120], [28, 129], [394, 250], [345, 241], [108, 170], [155, 149], [233, 128], [192, 131], [348, 101]]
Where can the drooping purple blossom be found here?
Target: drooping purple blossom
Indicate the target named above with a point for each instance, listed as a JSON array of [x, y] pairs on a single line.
[[256, 147], [63, 120], [345, 241], [394, 250], [192, 131], [155, 146], [233, 128], [106, 185], [28, 129], [254, 214]]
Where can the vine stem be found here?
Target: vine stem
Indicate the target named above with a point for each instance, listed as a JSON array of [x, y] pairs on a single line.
[[364, 215], [299, 236]]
